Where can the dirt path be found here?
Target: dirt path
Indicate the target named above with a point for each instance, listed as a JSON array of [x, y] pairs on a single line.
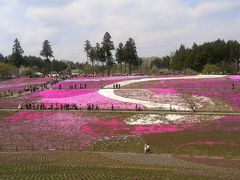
[[224, 113]]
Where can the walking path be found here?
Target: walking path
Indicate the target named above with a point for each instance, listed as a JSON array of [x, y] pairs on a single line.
[[225, 113], [109, 93]]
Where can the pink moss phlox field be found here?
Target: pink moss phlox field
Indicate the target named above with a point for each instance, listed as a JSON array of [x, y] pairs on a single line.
[[213, 88], [164, 91], [111, 128], [231, 96], [94, 82], [28, 116], [218, 83], [91, 97], [44, 128], [21, 83], [235, 77], [108, 128], [60, 93], [158, 128]]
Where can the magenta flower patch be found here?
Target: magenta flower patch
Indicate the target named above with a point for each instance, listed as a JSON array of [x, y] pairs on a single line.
[[93, 82], [60, 93], [85, 97]]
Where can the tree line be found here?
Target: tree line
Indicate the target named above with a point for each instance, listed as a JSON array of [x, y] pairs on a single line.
[[210, 57], [100, 59], [27, 65], [216, 57], [101, 55]]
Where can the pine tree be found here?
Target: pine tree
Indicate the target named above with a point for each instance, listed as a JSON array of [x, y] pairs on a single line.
[[120, 55], [87, 48], [108, 46], [17, 52], [131, 54], [47, 50]]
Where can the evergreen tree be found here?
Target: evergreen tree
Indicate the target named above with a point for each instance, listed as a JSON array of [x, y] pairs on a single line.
[[108, 46], [92, 57], [120, 56], [17, 52], [131, 54], [47, 50], [87, 48]]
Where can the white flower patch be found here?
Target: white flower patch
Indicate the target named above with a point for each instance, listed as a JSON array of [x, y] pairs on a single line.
[[150, 119], [173, 117], [141, 119], [201, 100]]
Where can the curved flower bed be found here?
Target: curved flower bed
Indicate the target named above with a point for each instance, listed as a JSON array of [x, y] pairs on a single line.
[[201, 89], [79, 97], [230, 97], [60, 93], [145, 95], [214, 83], [93, 82]]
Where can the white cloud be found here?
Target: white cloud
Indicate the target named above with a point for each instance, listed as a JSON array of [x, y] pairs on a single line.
[[158, 26]]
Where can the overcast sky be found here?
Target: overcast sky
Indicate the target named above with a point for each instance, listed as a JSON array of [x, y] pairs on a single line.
[[157, 26]]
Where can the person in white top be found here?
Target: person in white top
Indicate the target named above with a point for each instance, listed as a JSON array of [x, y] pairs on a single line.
[[145, 148], [148, 148]]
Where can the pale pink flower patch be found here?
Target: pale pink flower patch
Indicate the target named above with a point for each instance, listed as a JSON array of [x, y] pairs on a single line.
[[23, 115], [21, 83], [119, 128], [158, 128], [164, 91], [235, 77]]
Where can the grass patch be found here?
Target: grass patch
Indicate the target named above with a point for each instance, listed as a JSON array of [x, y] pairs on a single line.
[[77, 165], [225, 150], [119, 144], [5, 113], [168, 142]]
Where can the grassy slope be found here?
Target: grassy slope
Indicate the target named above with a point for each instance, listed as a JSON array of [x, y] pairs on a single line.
[[83, 165]]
